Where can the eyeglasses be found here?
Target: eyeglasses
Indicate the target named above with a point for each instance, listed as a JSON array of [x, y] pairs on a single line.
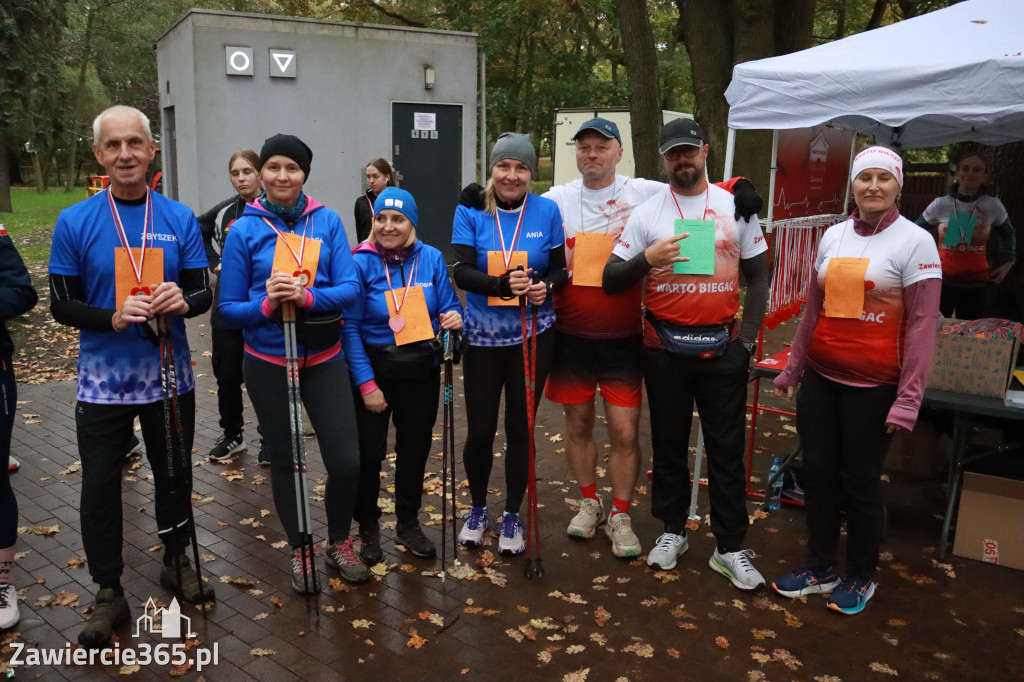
[[687, 150]]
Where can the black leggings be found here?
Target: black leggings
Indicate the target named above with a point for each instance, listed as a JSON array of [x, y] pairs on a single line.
[[328, 404], [486, 372], [8, 503], [228, 350], [842, 430], [412, 405]]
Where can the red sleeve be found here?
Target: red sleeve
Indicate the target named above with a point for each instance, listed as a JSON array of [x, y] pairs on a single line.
[[727, 184]]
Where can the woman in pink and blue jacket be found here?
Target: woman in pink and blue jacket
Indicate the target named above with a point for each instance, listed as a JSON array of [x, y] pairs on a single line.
[[288, 248], [405, 298]]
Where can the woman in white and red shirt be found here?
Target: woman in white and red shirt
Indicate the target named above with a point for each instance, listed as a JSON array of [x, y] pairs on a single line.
[[964, 221], [864, 349]]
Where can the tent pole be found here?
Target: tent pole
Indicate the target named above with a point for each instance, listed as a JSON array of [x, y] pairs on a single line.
[[771, 183], [849, 184], [730, 154]]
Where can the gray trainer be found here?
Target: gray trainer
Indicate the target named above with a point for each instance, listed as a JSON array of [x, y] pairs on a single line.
[[667, 549]]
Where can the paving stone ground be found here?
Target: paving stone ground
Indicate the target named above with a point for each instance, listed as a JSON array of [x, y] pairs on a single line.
[[590, 617]]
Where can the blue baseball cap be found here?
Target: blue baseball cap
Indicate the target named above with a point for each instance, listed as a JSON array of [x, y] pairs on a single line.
[[397, 200], [601, 125]]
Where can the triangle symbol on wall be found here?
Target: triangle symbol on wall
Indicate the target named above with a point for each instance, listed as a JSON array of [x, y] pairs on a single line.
[[283, 59]]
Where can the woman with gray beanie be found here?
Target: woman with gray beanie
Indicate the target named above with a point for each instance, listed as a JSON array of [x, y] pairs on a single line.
[[515, 228]]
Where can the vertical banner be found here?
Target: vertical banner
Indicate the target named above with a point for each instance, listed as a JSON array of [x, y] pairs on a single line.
[[813, 169]]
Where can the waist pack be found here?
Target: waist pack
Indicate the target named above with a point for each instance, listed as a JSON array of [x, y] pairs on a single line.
[[318, 332], [701, 341], [401, 362]]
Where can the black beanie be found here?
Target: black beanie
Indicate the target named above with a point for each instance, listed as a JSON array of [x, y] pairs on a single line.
[[290, 146]]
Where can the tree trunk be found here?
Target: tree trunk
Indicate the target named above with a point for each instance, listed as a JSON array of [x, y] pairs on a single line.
[[83, 68], [5, 177], [706, 30], [644, 98], [37, 171]]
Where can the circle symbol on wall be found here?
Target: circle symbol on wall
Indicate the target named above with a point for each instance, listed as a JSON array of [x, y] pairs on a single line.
[[239, 60]]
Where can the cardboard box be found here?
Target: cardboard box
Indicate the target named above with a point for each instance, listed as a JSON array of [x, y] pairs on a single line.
[[921, 453], [975, 366], [990, 523]]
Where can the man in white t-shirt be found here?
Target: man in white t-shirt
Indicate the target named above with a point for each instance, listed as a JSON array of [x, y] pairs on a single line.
[[597, 336], [693, 350]]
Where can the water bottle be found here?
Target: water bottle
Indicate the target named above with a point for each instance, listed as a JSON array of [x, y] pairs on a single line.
[[773, 499]]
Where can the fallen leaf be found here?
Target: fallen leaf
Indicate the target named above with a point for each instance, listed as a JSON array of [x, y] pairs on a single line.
[[260, 616], [362, 624], [415, 641], [277, 601], [722, 642], [883, 668], [180, 670], [76, 563], [261, 652], [128, 669], [46, 531]]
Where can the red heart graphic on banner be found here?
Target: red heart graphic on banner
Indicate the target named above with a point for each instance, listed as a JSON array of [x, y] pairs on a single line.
[[303, 275]]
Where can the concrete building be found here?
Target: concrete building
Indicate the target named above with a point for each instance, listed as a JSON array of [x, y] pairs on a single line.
[[352, 92]]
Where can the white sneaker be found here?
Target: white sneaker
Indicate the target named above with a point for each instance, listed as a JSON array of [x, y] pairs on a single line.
[[12, 464], [736, 567], [9, 614], [625, 543], [667, 549], [477, 523], [511, 540], [587, 519]]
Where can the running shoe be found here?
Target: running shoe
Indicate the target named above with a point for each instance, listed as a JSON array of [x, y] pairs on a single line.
[[737, 568], [587, 519], [803, 581], [852, 595], [667, 548]]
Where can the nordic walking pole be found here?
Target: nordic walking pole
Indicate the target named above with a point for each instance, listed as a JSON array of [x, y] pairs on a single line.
[[306, 548], [693, 521], [531, 568], [176, 456], [448, 452]]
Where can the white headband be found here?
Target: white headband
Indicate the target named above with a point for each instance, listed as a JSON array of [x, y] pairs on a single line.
[[878, 157]]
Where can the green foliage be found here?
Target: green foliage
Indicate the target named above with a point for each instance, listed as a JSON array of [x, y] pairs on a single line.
[[31, 224]]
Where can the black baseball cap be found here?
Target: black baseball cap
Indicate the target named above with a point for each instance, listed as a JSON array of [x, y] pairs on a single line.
[[601, 125], [681, 131]]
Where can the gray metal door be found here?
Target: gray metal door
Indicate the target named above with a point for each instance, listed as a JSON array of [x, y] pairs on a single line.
[[427, 140]]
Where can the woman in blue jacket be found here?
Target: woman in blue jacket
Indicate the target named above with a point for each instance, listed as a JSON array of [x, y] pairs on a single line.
[[405, 298], [288, 248]]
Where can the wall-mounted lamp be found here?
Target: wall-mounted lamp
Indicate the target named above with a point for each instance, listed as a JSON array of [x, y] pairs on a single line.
[[428, 77]]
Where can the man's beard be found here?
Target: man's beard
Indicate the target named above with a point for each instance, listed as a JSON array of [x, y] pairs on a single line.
[[683, 179]]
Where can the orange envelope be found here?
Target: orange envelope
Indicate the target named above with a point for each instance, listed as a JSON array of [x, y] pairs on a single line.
[[844, 287], [413, 322], [286, 261], [589, 258], [496, 268], [124, 275]]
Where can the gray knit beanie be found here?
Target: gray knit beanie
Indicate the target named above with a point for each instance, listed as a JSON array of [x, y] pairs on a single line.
[[515, 146]]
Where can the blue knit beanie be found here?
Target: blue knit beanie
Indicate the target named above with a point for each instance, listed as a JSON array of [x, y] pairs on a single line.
[[398, 200]]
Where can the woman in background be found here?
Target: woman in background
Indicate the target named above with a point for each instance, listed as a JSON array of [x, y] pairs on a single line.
[[379, 176], [963, 222]]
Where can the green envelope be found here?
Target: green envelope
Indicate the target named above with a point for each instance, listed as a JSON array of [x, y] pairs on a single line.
[[699, 247]]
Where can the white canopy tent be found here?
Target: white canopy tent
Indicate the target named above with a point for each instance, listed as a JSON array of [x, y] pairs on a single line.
[[947, 76]]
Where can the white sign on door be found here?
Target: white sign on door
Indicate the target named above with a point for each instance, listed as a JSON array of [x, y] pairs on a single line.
[[424, 121]]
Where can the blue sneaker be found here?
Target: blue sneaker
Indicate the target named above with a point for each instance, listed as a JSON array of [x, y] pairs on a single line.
[[852, 595], [805, 581], [511, 540], [477, 523]]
